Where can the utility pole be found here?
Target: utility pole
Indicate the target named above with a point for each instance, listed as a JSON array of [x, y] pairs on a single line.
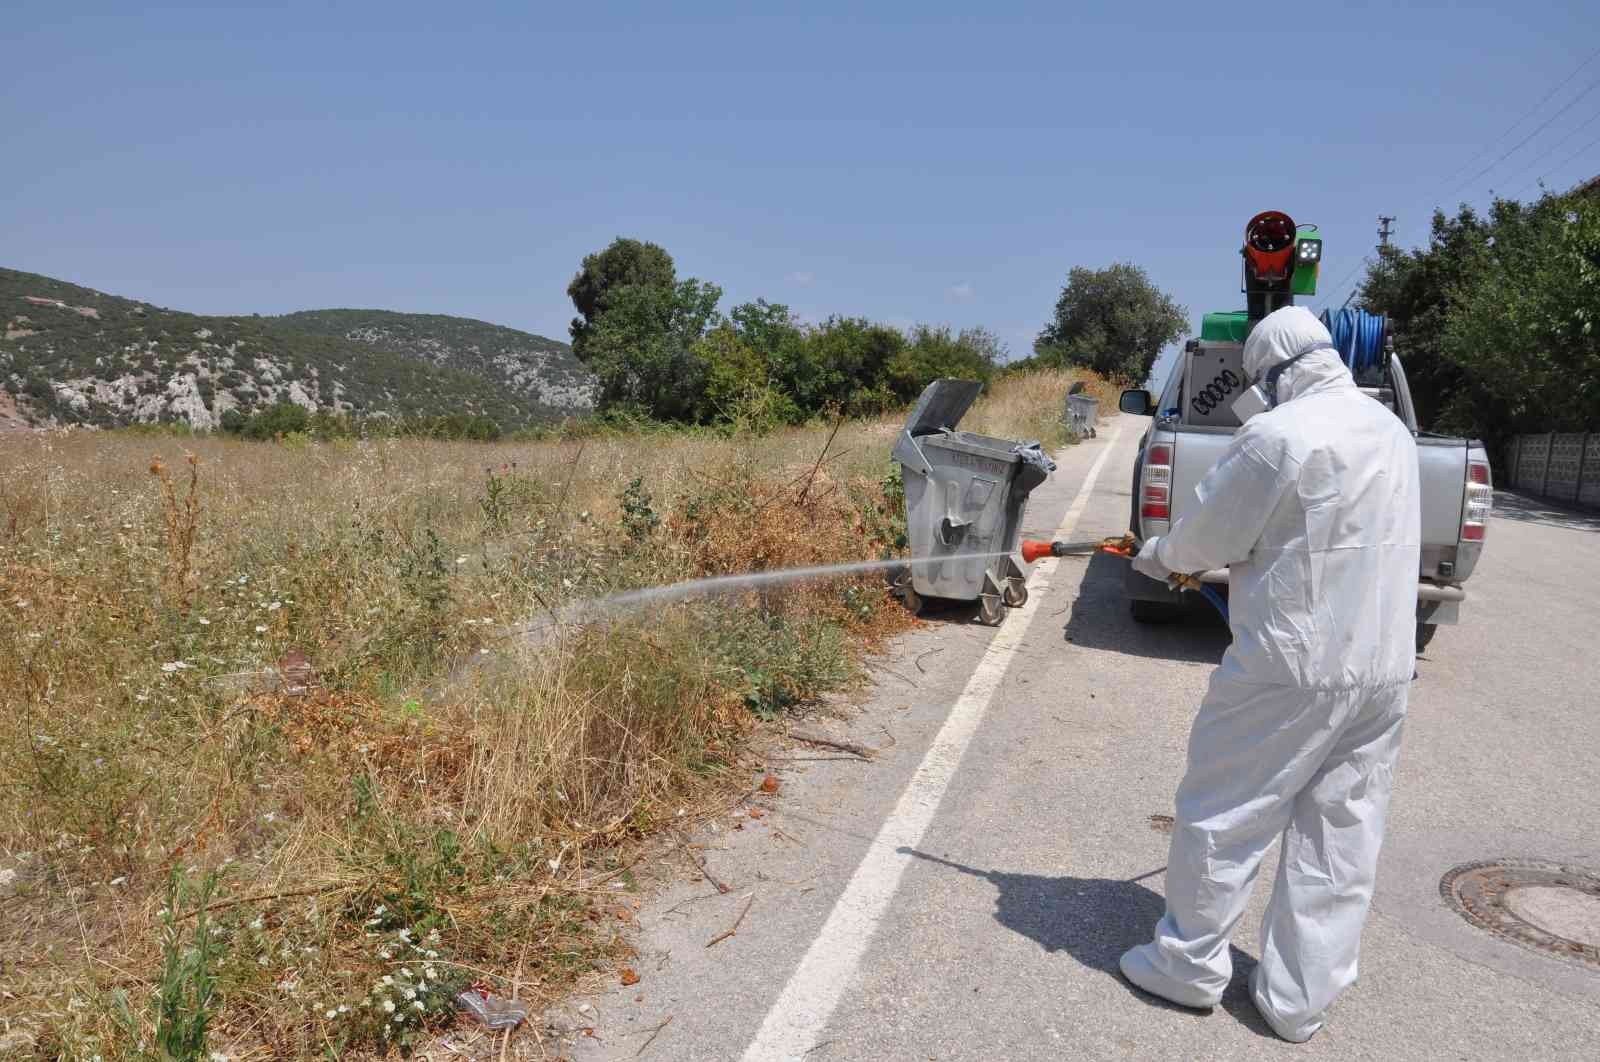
[[1384, 232]]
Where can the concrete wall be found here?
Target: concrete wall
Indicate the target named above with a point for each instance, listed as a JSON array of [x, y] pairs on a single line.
[[1564, 466]]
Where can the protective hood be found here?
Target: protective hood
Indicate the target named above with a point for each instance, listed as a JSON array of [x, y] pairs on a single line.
[[1280, 336]]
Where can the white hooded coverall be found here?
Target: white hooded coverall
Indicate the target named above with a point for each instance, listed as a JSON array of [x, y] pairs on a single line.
[[1316, 509]]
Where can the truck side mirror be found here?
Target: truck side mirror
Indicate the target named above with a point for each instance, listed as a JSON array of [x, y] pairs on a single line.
[[1136, 401]]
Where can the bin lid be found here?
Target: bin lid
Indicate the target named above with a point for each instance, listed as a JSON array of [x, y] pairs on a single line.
[[942, 405]]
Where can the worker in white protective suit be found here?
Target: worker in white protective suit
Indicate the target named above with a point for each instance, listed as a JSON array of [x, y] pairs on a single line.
[[1315, 509]]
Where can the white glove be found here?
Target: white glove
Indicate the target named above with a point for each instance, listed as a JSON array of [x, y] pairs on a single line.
[[1148, 563]]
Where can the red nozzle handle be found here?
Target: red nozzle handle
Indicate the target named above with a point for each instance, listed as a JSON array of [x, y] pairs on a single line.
[[1121, 545], [1033, 550]]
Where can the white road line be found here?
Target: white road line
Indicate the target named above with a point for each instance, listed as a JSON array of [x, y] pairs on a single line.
[[808, 1000]]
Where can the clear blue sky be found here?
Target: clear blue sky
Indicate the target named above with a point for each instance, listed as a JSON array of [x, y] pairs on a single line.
[[915, 162]]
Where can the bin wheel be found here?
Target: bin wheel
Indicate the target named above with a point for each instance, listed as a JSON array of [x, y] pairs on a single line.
[[902, 588], [1015, 593], [1425, 633], [991, 611]]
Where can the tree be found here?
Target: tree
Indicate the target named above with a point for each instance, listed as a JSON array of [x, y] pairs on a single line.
[[931, 353], [282, 418], [642, 347], [846, 365], [1412, 288], [733, 370], [1113, 321], [1522, 323], [638, 328], [1498, 318], [625, 263]]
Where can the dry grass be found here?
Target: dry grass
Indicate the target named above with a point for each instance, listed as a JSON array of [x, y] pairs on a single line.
[[289, 671]]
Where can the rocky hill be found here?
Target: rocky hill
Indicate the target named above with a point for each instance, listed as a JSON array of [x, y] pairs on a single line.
[[70, 354]]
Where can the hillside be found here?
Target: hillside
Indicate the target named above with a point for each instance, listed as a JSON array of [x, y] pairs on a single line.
[[69, 354]]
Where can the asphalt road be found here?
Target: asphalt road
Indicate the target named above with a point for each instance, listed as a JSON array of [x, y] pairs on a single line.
[[965, 894]]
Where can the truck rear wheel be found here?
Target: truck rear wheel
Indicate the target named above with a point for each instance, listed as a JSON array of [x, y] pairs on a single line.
[[1425, 633], [1154, 611]]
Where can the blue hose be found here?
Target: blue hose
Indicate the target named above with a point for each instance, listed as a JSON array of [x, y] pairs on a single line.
[[1211, 595], [1358, 335]]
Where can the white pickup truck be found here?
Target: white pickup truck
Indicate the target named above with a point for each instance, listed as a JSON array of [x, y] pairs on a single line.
[[1192, 425]]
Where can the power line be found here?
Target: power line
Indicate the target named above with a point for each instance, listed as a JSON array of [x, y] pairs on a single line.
[[1512, 128], [1563, 142], [1570, 104], [1557, 166], [1546, 98], [1328, 299]]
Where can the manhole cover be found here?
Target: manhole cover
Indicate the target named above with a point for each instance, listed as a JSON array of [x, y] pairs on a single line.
[[1545, 906]]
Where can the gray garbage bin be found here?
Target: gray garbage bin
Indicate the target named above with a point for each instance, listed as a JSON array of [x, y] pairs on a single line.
[[965, 496], [1081, 413]]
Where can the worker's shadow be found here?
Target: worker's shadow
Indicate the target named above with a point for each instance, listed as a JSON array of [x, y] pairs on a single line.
[[1101, 618], [1095, 920]]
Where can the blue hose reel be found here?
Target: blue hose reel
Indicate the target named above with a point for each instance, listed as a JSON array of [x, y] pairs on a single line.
[[1359, 335]]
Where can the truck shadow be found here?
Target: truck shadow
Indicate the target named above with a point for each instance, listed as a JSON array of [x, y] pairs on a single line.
[[1100, 619], [1527, 509], [1095, 920]]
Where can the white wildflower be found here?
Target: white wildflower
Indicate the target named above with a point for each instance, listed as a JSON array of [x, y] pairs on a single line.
[[388, 1006], [416, 1006], [462, 560], [175, 665], [204, 622], [331, 1015], [260, 629], [275, 606], [388, 980]]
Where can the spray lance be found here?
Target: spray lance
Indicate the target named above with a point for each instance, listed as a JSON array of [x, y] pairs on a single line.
[[1127, 547]]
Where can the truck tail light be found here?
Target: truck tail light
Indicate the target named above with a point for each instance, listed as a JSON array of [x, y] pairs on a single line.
[[1155, 486], [1479, 504]]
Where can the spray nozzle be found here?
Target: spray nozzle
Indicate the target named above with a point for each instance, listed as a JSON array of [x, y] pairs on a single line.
[[1034, 550]]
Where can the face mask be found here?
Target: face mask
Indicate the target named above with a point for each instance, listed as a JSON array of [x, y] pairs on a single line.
[[1263, 395]]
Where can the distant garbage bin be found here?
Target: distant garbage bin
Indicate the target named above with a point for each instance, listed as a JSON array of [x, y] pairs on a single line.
[[965, 498], [1081, 412]]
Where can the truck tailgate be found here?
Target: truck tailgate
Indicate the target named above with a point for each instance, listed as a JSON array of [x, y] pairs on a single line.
[[1442, 463]]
